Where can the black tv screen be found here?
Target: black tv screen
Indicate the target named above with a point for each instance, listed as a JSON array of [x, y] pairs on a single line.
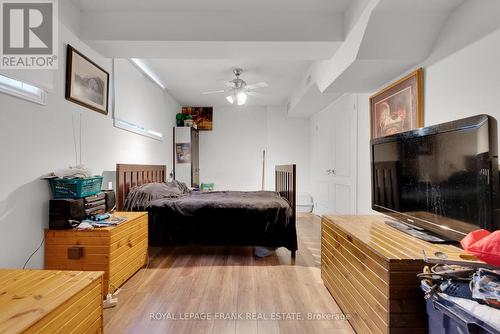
[[443, 178]]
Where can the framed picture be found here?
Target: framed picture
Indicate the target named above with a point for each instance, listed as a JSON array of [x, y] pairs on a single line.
[[87, 84], [398, 107], [202, 116], [183, 153]]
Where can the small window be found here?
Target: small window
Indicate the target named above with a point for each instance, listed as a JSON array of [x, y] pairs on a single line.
[[22, 90]]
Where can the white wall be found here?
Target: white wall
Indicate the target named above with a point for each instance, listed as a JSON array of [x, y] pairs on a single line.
[[288, 143], [139, 100], [465, 83], [35, 140], [231, 154], [363, 192]]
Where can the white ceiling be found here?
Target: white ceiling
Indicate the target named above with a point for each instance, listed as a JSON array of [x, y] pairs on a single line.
[[215, 5], [193, 45], [186, 79]]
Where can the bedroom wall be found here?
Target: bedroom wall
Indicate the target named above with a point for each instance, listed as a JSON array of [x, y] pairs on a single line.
[[465, 83], [138, 100], [363, 171], [231, 154], [35, 140], [287, 143]]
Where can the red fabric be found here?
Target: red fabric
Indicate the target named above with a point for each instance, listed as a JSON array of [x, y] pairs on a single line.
[[484, 244], [473, 237]]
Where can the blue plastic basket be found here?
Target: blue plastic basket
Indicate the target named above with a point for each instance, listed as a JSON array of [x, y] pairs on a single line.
[[75, 188]]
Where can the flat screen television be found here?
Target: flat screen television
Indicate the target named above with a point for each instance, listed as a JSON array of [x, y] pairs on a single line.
[[442, 178]]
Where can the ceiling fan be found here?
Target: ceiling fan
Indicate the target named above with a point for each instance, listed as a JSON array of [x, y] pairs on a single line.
[[238, 89]]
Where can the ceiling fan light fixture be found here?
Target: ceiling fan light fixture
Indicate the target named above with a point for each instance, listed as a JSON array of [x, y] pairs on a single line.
[[241, 98], [238, 89]]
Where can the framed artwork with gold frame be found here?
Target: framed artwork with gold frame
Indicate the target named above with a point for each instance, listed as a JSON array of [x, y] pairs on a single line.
[[398, 107]]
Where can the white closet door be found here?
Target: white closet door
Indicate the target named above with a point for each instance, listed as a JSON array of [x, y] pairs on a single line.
[[334, 152], [344, 167], [323, 160]]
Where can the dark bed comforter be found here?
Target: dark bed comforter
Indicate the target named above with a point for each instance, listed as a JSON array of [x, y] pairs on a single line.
[[261, 218]]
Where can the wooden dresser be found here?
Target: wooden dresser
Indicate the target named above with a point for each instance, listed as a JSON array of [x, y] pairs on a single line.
[[370, 269], [119, 251], [50, 301]]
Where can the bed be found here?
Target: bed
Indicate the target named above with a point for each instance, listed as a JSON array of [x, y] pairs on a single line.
[[219, 218]]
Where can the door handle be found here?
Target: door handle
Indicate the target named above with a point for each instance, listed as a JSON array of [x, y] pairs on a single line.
[[330, 171]]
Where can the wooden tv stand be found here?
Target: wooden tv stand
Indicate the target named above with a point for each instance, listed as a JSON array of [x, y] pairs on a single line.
[[370, 269]]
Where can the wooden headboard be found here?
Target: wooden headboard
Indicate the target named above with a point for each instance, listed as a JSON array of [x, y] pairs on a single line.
[[129, 176], [286, 184]]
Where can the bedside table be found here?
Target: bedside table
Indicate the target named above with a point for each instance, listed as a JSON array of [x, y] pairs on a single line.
[[120, 251]]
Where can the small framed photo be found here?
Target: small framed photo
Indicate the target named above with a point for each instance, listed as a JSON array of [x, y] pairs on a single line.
[[183, 153], [87, 84], [398, 107]]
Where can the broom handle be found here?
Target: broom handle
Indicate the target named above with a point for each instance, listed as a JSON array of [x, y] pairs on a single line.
[[263, 168]]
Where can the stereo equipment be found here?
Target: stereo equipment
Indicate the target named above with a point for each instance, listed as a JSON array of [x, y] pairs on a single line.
[[68, 213], [95, 204]]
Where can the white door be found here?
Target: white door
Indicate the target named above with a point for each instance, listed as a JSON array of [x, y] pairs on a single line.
[[344, 167], [334, 157], [322, 160]]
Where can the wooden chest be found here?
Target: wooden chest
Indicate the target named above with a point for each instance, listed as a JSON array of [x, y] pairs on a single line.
[[370, 269], [118, 251], [50, 301]]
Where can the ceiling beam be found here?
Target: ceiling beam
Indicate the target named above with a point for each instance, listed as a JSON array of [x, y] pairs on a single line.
[[385, 38], [216, 50], [212, 26]]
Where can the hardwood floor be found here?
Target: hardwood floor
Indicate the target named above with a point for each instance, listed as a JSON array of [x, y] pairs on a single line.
[[236, 291]]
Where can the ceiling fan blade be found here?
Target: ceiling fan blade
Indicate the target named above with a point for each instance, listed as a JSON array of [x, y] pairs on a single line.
[[214, 92], [255, 94], [258, 85], [229, 84]]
